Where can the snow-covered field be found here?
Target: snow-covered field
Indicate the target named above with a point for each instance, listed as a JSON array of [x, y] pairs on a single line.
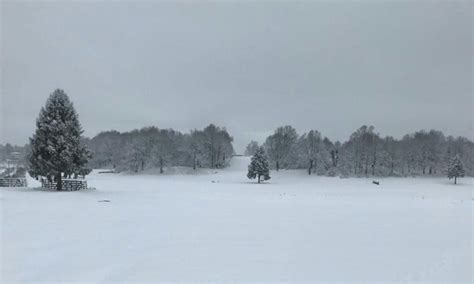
[[220, 227]]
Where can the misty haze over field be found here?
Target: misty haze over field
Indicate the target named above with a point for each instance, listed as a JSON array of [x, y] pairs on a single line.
[[247, 66]]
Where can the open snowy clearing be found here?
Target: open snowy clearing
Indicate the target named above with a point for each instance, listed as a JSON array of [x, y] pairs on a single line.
[[220, 227]]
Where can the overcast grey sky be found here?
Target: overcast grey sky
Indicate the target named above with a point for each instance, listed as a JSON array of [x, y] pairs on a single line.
[[401, 66]]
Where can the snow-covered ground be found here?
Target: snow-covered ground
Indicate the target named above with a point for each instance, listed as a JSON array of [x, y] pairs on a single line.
[[219, 227]]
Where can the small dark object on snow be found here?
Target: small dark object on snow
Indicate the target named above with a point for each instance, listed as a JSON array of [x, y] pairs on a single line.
[[107, 172], [376, 182], [105, 200], [213, 181]]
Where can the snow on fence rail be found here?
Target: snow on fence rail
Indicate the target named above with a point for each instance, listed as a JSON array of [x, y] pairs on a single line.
[[68, 184], [13, 182]]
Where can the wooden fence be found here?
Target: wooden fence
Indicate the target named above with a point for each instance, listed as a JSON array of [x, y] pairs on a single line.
[[68, 184], [13, 182]]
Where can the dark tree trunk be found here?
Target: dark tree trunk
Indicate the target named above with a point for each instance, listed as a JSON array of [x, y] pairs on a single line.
[[333, 158], [161, 165], [366, 169], [455, 180], [59, 182], [258, 178], [277, 165], [374, 160], [310, 168], [217, 159]]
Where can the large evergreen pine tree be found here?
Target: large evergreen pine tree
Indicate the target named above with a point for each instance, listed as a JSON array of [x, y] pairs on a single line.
[[56, 148], [258, 167], [455, 168]]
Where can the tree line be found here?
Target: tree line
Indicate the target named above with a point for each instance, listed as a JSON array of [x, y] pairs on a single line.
[[57, 149], [151, 147], [366, 153], [58, 146], [148, 147]]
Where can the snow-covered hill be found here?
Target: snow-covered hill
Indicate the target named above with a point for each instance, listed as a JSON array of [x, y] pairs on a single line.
[[239, 163]]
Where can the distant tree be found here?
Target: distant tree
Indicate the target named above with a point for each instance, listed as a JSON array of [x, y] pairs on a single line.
[[138, 153], [389, 151], [194, 148], [455, 168], [428, 150], [333, 150], [465, 149], [258, 167], [311, 147], [408, 155], [362, 149], [217, 145], [107, 148], [280, 145], [164, 148], [56, 148], [251, 148]]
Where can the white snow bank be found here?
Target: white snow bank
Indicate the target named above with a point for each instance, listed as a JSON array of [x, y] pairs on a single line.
[[32, 182]]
